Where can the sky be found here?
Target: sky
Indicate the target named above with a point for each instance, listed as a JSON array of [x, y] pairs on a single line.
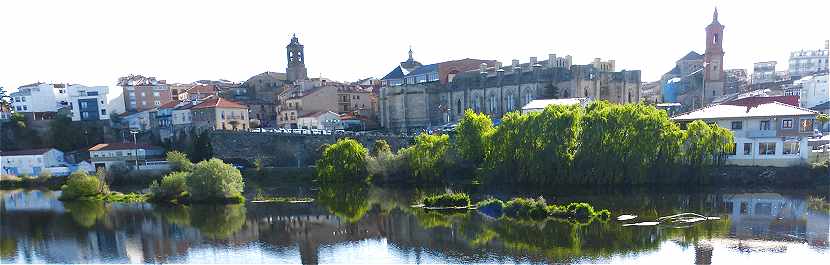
[[95, 42]]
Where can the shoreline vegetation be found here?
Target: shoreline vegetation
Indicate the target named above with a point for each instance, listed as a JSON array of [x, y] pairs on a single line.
[[515, 208]]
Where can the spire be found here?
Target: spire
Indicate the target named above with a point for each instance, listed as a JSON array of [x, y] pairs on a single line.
[[410, 53], [715, 16]]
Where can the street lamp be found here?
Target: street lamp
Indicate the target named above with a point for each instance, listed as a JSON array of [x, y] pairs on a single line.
[[135, 151]]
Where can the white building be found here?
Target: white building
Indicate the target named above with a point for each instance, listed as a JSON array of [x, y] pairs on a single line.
[[807, 62], [764, 72], [88, 103], [769, 134], [108, 154], [539, 105], [325, 120], [30, 162], [39, 101], [813, 90]]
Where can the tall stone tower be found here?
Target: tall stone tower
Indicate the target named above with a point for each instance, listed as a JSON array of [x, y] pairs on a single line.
[[714, 76], [296, 61]]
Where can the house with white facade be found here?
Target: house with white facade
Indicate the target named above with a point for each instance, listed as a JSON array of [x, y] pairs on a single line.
[[39, 101], [31, 162], [766, 134], [127, 154], [88, 103], [814, 90], [325, 120]]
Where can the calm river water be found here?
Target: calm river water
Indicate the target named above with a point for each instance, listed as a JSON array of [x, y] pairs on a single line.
[[360, 225]]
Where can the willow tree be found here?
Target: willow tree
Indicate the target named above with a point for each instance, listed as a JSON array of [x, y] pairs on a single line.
[[343, 161], [427, 158], [471, 136]]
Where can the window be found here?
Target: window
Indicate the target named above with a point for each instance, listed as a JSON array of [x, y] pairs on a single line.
[[143, 94], [766, 148], [787, 124], [806, 126], [25, 107], [85, 115], [156, 94], [132, 94], [747, 149], [84, 104], [143, 103], [23, 98], [103, 112], [157, 103], [737, 125], [764, 126], [19, 108], [791, 148], [132, 103]]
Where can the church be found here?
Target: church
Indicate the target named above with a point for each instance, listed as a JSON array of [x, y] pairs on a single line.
[[698, 79]]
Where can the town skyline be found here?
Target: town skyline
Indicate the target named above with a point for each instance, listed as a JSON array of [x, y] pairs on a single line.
[[193, 48]]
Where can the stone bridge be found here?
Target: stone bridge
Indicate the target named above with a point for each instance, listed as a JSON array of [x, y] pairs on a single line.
[[285, 150]]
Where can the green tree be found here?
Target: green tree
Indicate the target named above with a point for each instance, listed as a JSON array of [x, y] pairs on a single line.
[[171, 187], [201, 146], [473, 130], [81, 185], [214, 180], [380, 147], [178, 161], [344, 160], [551, 91], [427, 158], [823, 118], [218, 221]]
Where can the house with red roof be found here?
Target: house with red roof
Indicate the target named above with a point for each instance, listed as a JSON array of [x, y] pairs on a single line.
[[218, 113], [127, 154]]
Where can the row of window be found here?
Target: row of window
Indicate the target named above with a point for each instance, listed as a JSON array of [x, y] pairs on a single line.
[[805, 126], [764, 149]]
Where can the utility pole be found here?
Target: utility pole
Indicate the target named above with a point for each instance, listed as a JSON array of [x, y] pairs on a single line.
[[135, 151]]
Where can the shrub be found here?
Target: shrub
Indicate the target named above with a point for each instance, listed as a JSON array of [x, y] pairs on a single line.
[[214, 180], [603, 215], [491, 207], [525, 208], [580, 210], [447, 200], [178, 161], [343, 161], [427, 157], [172, 187], [81, 185], [380, 147]]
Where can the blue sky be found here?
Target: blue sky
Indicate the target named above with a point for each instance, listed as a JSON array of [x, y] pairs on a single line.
[[95, 42]]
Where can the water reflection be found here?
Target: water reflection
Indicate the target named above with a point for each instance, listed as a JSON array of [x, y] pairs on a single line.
[[365, 224]]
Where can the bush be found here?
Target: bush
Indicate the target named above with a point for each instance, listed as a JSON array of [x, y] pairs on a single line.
[[427, 158], [343, 161], [81, 185], [380, 147], [580, 210], [525, 208], [172, 187], [214, 180], [491, 207], [447, 200], [178, 161]]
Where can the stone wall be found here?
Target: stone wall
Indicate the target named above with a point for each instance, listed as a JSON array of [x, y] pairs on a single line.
[[283, 150]]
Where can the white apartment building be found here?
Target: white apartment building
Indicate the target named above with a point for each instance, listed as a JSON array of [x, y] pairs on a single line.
[[39, 100], [108, 154], [88, 103], [769, 134], [807, 62], [813, 90]]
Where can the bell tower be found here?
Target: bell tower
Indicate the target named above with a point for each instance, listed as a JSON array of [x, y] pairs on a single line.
[[713, 60], [296, 60]]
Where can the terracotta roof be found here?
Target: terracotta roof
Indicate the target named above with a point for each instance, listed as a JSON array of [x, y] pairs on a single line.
[[203, 89], [169, 105], [120, 146], [28, 152], [218, 102]]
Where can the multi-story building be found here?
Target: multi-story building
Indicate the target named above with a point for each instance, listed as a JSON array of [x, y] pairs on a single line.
[[88, 103], [763, 72], [736, 81], [310, 96], [142, 93], [813, 90], [39, 101], [217, 113], [326, 120], [766, 134], [436, 94], [259, 94], [807, 62], [182, 120]]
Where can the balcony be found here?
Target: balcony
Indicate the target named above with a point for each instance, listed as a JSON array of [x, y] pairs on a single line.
[[760, 133]]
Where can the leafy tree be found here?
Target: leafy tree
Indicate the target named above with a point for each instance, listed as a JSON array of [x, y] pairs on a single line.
[[380, 147], [344, 160], [218, 221], [427, 157], [178, 161], [80, 185], [823, 118], [171, 187], [471, 138], [214, 180], [201, 148]]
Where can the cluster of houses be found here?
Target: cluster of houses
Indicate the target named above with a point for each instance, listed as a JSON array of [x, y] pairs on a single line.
[[35, 162]]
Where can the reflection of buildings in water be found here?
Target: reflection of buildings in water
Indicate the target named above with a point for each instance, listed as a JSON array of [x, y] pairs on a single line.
[[773, 216]]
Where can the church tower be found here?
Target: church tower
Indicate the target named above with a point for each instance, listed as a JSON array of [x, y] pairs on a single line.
[[713, 60], [296, 61]]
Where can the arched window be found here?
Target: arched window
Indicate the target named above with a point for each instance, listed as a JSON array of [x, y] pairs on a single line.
[[458, 107], [565, 94], [492, 104]]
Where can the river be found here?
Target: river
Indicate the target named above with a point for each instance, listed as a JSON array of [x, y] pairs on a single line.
[[374, 225]]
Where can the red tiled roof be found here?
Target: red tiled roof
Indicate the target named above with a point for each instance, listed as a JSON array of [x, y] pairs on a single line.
[[203, 89], [120, 146], [169, 105], [28, 152], [218, 102]]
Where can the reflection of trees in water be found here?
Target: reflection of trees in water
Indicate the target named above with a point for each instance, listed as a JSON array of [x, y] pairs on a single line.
[[8, 247], [174, 214], [217, 221], [347, 201], [86, 213]]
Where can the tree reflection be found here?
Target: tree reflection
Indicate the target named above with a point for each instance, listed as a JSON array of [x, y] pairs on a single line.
[[350, 202], [215, 221], [86, 213], [174, 214]]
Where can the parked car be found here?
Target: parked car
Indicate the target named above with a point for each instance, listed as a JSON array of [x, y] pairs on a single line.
[[257, 130], [297, 131], [305, 131], [326, 132], [339, 132], [316, 131]]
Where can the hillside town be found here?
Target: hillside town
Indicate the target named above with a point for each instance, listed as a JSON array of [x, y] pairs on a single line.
[[778, 114]]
